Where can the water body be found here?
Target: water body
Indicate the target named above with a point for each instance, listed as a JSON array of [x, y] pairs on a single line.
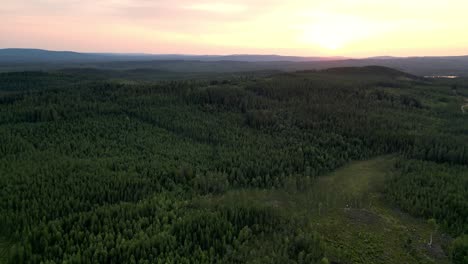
[[442, 76]]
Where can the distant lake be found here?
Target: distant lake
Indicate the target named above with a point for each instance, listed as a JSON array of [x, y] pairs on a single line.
[[442, 76]]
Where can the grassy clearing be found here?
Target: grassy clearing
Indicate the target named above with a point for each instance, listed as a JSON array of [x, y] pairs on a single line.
[[347, 209], [365, 229]]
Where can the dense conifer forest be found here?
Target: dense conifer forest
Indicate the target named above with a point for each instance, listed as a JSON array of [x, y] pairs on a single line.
[[107, 169]]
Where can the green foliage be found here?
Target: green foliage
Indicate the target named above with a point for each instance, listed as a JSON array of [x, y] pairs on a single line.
[[436, 191], [211, 182], [101, 171], [433, 223], [459, 250]]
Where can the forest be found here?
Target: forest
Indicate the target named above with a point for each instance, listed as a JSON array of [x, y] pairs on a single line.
[[137, 168]]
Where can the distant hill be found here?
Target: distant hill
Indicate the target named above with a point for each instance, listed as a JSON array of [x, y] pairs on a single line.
[[35, 59], [422, 66], [274, 58], [38, 55], [383, 58], [370, 70]]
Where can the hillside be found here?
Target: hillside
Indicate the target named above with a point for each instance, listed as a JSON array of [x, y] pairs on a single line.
[[370, 70]]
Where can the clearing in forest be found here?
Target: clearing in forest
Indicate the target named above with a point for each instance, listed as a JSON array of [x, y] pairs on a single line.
[[347, 209]]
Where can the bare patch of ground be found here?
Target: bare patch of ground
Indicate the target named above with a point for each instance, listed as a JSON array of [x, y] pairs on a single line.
[[362, 216]]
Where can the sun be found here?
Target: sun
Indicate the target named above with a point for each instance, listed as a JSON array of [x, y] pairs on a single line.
[[335, 32], [328, 36], [331, 40]]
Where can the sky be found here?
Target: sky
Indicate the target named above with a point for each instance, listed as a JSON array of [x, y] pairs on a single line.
[[351, 28]]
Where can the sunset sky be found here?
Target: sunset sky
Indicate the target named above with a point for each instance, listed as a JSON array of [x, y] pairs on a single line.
[[354, 28]]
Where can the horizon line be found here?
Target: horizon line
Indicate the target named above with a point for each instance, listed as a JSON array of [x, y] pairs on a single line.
[[231, 54]]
